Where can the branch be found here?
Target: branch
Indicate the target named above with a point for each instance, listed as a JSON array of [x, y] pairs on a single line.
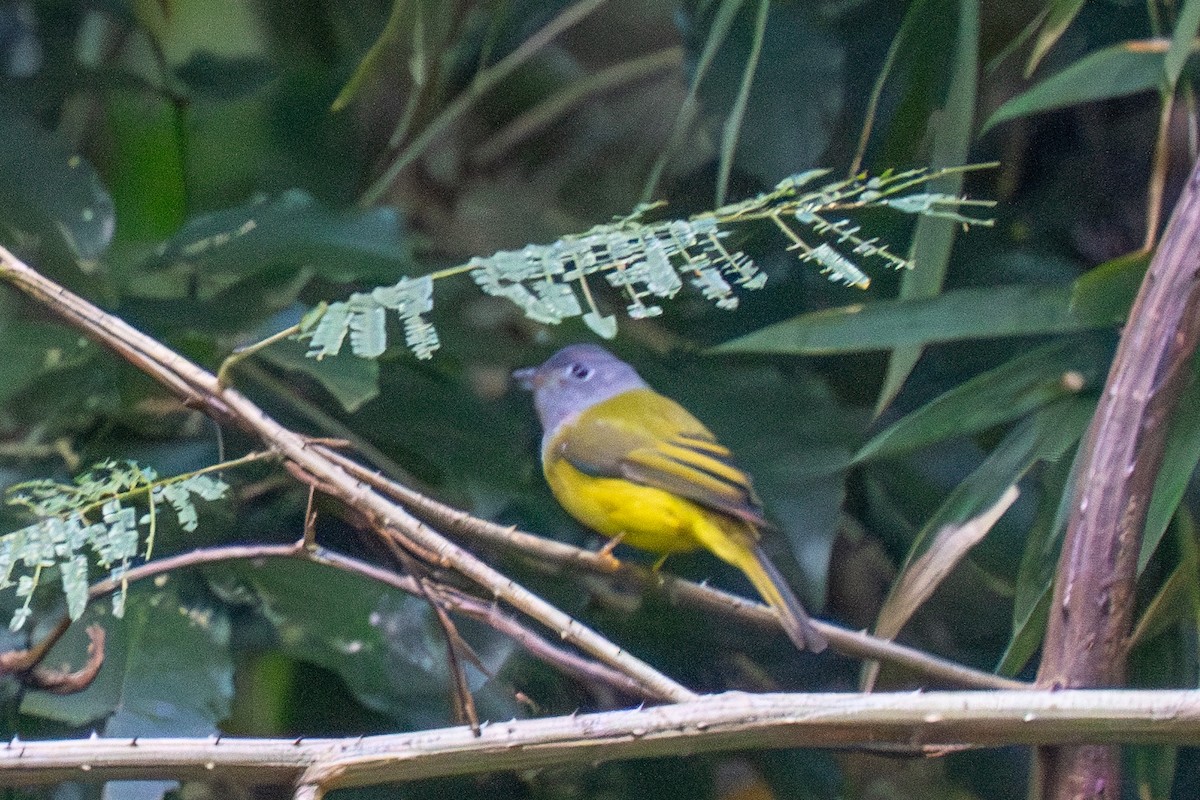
[[200, 389], [545, 553], [64, 681], [730, 721], [1092, 610], [570, 663]]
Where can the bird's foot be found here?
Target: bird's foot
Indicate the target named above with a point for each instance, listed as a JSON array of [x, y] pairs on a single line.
[[605, 552]]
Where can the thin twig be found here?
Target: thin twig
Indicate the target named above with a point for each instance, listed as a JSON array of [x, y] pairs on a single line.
[[571, 663], [464, 703]]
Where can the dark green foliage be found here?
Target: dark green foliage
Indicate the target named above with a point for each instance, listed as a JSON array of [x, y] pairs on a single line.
[[211, 172]]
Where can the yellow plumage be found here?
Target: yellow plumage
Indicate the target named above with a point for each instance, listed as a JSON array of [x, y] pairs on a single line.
[[639, 466]]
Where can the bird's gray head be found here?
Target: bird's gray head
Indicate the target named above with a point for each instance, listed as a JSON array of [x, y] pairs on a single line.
[[573, 380]]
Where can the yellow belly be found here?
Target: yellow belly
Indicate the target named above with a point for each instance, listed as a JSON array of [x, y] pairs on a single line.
[[647, 518]]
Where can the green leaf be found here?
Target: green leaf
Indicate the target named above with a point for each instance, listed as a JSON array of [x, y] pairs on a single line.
[[1153, 770], [1182, 42], [951, 128], [781, 88], [1044, 436], [718, 30], [1164, 656], [1180, 457], [976, 313], [1174, 603], [1112, 72], [1107, 291], [946, 547], [374, 61], [1059, 15], [1026, 639], [1038, 563], [289, 229], [1007, 392], [352, 381], [46, 190], [385, 645], [29, 351], [167, 669], [737, 112]]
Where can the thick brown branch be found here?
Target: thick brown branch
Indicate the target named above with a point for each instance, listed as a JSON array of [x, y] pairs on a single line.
[[1092, 611]]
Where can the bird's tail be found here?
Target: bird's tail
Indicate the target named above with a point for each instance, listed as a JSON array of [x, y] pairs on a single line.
[[774, 589], [736, 541]]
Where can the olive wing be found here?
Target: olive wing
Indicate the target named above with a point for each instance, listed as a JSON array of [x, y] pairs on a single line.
[[652, 440]]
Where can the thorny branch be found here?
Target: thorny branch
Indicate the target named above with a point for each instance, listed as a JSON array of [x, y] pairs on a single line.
[[571, 663], [191, 382], [931, 721]]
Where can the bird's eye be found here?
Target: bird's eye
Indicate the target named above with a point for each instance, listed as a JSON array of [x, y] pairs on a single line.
[[579, 371]]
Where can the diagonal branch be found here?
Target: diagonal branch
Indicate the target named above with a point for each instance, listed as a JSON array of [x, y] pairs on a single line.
[[200, 389], [1092, 610]]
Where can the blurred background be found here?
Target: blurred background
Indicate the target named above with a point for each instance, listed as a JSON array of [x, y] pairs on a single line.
[[210, 170]]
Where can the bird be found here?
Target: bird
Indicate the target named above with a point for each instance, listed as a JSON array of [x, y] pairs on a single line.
[[640, 469]]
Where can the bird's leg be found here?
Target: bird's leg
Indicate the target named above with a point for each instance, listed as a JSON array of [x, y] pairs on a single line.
[[658, 565], [605, 552]]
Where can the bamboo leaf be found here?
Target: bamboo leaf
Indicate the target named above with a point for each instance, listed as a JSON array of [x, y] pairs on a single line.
[[952, 127], [371, 63], [727, 12], [737, 114], [1182, 42], [1005, 393], [947, 547], [1044, 436], [1107, 291], [1059, 15], [1112, 72], [1180, 457], [977, 313], [1038, 562]]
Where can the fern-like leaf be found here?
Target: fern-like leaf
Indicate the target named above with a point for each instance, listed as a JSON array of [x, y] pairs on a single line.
[[94, 513], [651, 261]]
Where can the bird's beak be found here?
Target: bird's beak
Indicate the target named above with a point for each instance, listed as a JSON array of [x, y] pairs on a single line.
[[525, 378]]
